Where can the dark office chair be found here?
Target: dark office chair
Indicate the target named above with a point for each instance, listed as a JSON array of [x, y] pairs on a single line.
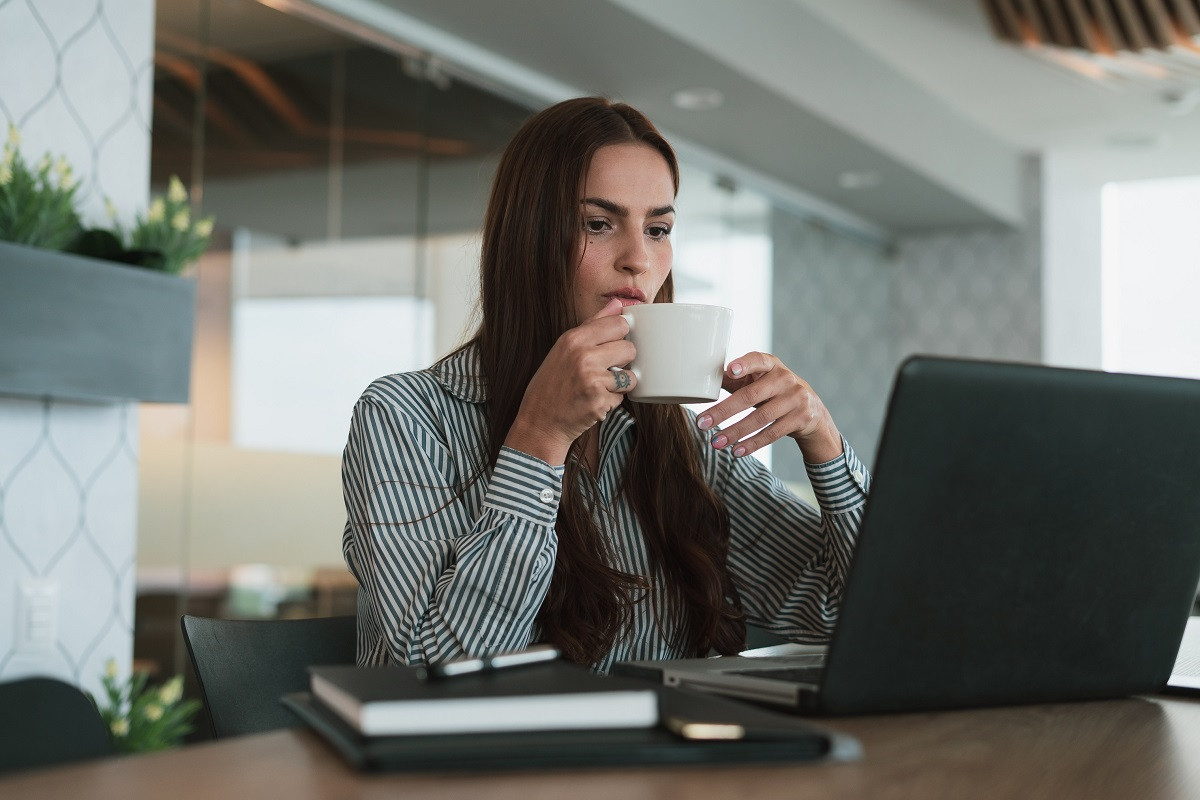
[[44, 721], [245, 666]]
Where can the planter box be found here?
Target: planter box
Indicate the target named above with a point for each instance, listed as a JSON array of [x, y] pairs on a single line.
[[79, 328]]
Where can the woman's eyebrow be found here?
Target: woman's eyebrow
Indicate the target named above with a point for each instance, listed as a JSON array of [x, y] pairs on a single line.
[[622, 211]]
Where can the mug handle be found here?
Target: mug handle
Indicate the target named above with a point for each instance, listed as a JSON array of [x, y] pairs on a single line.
[[637, 373]]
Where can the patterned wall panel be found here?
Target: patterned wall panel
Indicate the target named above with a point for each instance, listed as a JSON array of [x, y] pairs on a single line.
[[833, 327], [75, 78], [975, 294], [847, 313], [68, 479]]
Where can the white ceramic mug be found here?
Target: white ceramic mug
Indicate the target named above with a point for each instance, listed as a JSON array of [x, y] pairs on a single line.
[[680, 351]]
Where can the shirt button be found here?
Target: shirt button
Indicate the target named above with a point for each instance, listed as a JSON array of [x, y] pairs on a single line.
[[547, 495], [858, 475]]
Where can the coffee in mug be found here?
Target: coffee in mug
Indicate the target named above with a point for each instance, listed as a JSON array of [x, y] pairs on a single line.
[[680, 351]]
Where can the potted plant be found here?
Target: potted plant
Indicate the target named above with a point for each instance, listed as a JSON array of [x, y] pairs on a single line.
[[86, 324], [143, 718], [37, 204]]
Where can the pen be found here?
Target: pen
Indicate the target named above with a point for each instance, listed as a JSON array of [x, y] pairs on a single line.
[[468, 666]]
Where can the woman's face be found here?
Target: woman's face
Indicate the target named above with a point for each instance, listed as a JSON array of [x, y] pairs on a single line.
[[628, 212]]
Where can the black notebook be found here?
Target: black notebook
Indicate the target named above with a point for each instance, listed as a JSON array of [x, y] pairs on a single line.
[[761, 737], [390, 701]]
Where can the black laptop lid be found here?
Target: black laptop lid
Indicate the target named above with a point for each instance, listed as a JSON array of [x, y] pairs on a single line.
[[1032, 534]]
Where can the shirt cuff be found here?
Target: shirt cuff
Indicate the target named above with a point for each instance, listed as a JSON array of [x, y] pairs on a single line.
[[842, 484], [525, 486]]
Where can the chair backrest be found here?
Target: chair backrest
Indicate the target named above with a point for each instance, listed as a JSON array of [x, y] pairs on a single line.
[[245, 666], [46, 721]]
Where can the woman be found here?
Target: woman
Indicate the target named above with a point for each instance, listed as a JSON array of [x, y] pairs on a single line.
[[512, 494]]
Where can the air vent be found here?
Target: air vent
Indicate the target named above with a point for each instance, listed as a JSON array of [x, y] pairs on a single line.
[[1117, 42]]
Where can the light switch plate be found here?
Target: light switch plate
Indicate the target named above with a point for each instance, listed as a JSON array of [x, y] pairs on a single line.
[[37, 615]]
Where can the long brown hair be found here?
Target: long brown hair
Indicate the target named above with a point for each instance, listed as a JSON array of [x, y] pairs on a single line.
[[530, 254]]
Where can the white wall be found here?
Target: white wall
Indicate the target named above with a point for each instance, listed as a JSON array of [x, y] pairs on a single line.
[[75, 77], [1071, 262]]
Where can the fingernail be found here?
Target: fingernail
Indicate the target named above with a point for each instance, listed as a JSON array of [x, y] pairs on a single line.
[[720, 441], [736, 369], [739, 452], [704, 423]]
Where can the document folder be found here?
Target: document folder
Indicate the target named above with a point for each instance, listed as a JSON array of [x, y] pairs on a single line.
[[768, 737]]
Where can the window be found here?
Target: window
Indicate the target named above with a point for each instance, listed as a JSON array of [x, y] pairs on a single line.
[[1151, 276]]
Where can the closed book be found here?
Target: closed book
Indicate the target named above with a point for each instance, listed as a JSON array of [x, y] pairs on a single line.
[[397, 701]]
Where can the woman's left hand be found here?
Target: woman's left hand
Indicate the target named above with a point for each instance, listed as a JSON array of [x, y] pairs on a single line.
[[784, 405]]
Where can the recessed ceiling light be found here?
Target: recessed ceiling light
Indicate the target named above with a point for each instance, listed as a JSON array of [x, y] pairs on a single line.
[[859, 179], [698, 99], [1136, 141]]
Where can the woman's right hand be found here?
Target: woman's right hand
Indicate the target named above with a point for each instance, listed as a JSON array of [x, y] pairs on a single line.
[[575, 387]]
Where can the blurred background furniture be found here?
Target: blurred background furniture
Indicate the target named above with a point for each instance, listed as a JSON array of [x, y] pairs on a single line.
[[245, 666], [45, 721]]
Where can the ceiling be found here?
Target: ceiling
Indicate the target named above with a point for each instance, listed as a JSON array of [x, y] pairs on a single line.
[[947, 47], [915, 95]]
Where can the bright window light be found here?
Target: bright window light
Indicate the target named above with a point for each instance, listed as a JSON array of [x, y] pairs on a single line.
[[1151, 277], [300, 363]]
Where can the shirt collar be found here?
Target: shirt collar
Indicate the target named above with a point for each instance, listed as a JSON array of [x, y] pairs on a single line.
[[614, 427], [461, 374]]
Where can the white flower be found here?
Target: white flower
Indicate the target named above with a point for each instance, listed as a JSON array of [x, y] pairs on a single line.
[[153, 712], [120, 727], [181, 221], [204, 227], [158, 210], [175, 191], [43, 166], [62, 169], [171, 691], [14, 136], [110, 669], [5, 174], [110, 208]]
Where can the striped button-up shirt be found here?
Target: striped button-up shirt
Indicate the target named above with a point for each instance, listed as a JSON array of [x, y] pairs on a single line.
[[450, 562]]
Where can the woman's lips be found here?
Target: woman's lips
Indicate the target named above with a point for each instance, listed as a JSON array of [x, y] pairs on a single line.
[[628, 297]]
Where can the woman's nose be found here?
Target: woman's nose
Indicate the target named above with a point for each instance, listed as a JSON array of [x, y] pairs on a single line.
[[634, 256]]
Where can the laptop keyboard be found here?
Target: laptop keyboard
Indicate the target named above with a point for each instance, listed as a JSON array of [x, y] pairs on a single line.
[[791, 674]]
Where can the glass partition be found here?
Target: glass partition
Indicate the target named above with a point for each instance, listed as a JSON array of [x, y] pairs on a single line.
[[348, 185]]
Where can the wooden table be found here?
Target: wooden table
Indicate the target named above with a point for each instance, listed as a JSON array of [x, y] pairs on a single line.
[[1137, 748]]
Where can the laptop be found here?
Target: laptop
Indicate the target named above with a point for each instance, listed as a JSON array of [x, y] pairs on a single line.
[[1032, 535], [1185, 675]]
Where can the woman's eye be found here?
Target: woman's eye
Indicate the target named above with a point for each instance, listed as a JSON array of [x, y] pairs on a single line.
[[596, 225], [658, 231]]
